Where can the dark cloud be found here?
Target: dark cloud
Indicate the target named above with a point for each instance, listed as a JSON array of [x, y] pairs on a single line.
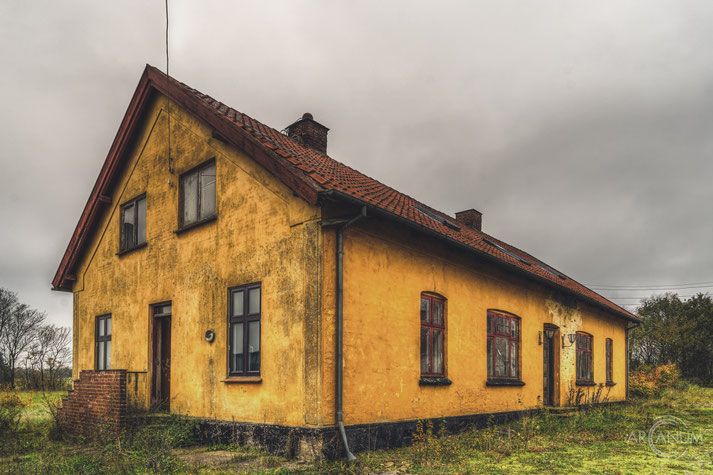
[[582, 131]]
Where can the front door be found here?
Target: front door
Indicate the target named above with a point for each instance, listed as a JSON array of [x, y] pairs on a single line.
[[548, 367], [161, 358]]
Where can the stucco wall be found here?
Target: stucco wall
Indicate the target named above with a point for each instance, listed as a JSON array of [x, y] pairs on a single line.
[[386, 269], [263, 233]]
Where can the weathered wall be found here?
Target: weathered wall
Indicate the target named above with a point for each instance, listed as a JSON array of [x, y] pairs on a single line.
[[386, 269], [263, 233]]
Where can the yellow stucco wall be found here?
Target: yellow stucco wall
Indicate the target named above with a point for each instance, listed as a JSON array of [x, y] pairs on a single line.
[[386, 269], [263, 233]]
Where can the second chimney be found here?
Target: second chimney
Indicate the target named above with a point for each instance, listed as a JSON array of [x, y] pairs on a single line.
[[470, 218], [309, 132]]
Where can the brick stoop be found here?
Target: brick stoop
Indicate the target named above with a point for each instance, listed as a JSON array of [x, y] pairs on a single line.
[[96, 405]]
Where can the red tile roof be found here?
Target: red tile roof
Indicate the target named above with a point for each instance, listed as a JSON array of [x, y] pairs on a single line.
[[310, 173]]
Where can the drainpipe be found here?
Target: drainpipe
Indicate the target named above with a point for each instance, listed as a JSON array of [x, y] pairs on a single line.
[[340, 330]]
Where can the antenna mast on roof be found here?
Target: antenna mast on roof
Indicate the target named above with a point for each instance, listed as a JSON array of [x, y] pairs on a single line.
[[168, 102]]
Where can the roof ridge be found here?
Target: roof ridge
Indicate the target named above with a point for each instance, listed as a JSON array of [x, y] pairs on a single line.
[[391, 199], [308, 172]]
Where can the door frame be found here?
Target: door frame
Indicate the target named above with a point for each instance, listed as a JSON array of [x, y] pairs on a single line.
[[157, 321], [554, 366]]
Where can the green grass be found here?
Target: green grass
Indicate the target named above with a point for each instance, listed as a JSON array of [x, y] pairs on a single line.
[[36, 409], [594, 441]]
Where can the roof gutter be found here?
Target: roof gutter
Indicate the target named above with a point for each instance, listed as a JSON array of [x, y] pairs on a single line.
[[335, 194]]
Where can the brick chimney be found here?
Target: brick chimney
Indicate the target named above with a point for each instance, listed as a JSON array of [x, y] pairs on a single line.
[[309, 132], [470, 218]]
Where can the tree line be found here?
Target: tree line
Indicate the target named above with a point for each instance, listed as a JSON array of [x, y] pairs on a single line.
[[676, 331], [33, 353]]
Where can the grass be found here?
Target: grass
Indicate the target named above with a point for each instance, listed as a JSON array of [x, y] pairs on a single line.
[[593, 441]]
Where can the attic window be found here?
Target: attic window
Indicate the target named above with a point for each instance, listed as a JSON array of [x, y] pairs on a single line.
[[437, 218], [132, 229], [549, 269], [197, 191], [509, 253]]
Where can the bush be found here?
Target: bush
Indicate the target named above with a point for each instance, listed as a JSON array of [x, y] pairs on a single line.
[[649, 381], [11, 406]]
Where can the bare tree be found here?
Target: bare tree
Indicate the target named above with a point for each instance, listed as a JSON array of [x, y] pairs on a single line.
[[39, 350], [59, 354], [8, 302], [20, 330]]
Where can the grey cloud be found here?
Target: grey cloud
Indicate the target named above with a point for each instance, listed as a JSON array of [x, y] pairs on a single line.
[[582, 131]]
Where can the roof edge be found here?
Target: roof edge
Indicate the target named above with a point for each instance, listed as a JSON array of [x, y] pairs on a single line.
[[548, 283], [153, 79]]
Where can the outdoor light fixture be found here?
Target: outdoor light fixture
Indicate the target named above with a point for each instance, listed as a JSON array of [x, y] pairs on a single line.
[[571, 337], [549, 333]]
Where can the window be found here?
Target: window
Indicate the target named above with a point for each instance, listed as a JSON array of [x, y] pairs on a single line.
[[503, 346], [505, 251], [584, 358], [432, 335], [609, 360], [244, 330], [103, 340], [133, 223], [198, 194]]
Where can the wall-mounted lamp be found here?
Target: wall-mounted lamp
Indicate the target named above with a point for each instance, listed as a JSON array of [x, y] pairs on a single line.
[[571, 337], [549, 333]]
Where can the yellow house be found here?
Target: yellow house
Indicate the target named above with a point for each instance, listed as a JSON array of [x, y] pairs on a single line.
[[240, 274]]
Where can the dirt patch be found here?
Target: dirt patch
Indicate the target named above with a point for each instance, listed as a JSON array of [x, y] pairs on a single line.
[[212, 458]]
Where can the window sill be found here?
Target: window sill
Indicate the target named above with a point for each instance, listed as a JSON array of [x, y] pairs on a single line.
[[242, 380], [131, 249], [504, 382], [611, 383], [434, 381], [195, 224], [586, 383]]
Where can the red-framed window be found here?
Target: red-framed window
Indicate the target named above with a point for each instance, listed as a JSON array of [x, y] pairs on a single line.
[[433, 335], [584, 357], [609, 351], [503, 345]]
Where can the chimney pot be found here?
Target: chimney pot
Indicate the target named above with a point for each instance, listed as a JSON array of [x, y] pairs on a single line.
[[470, 218], [309, 132]]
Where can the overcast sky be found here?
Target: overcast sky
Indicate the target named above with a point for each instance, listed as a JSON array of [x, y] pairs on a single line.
[[582, 130]]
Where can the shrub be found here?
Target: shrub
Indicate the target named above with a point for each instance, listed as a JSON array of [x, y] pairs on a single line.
[[432, 446], [11, 406], [650, 381]]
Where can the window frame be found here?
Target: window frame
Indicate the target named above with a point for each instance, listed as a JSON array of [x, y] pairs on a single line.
[[493, 334], [132, 202], [102, 340], [431, 326], [589, 379], [182, 225], [244, 319], [609, 355]]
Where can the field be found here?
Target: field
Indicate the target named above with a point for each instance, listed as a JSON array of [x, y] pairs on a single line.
[[603, 440]]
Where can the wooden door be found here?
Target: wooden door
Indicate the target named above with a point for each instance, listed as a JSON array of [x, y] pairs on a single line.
[[548, 369], [161, 349]]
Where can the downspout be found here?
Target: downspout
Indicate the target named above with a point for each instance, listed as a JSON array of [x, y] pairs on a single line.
[[340, 331]]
